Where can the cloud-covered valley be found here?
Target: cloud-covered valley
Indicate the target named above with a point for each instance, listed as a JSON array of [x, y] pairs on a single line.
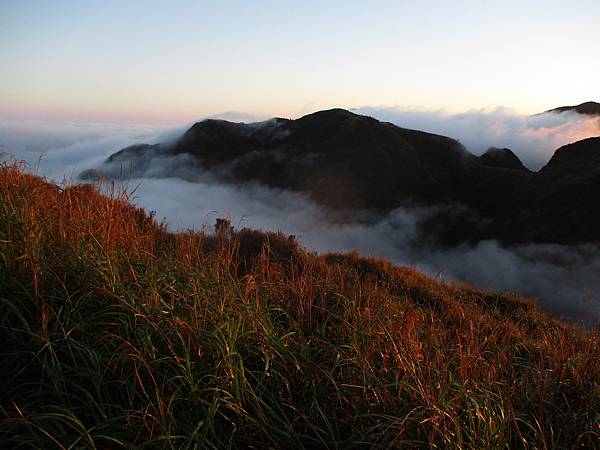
[[563, 278]]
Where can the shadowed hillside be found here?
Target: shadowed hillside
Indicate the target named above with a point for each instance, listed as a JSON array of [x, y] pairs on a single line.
[[352, 162], [342, 159], [115, 333]]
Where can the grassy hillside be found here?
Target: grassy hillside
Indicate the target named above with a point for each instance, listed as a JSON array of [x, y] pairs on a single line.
[[116, 333]]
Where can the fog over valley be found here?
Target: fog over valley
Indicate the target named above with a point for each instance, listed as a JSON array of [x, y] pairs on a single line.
[[562, 277]]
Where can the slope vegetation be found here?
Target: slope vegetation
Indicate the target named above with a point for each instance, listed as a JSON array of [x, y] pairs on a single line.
[[115, 333]]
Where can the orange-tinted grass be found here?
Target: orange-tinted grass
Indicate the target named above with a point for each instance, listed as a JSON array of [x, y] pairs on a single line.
[[117, 333]]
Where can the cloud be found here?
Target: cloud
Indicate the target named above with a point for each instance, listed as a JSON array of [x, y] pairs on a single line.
[[533, 138], [563, 278], [61, 149]]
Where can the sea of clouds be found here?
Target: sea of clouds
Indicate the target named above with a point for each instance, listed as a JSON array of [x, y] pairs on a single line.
[[564, 279]]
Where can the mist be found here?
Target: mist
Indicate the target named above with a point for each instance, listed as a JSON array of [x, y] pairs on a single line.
[[562, 278]]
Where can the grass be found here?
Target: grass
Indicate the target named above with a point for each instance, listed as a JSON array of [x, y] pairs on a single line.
[[115, 333]]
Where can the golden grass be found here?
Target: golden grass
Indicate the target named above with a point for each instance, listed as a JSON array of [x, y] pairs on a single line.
[[116, 333]]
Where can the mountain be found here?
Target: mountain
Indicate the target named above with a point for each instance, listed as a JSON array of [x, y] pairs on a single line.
[[342, 159], [569, 192], [502, 157], [347, 161], [587, 108]]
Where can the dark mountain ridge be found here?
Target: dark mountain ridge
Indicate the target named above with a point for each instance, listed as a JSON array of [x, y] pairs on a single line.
[[586, 108], [347, 161]]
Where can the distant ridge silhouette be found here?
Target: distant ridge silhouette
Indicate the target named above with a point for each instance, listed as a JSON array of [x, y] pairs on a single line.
[[347, 161], [587, 108]]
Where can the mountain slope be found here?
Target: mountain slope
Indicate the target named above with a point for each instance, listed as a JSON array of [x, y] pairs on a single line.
[[569, 191], [348, 161], [342, 159], [115, 333]]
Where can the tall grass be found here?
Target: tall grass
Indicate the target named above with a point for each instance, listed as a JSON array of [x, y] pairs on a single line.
[[115, 333]]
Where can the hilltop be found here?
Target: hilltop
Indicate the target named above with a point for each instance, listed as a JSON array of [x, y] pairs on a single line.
[[116, 333], [347, 161], [342, 159], [587, 108]]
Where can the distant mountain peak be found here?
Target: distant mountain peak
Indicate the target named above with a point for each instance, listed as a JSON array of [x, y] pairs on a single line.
[[586, 108], [350, 162], [502, 157], [332, 112], [581, 157]]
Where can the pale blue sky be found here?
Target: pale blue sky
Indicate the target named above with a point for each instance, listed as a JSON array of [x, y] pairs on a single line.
[[171, 62]]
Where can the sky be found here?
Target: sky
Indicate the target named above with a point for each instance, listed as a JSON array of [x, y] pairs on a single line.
[[172, 62]]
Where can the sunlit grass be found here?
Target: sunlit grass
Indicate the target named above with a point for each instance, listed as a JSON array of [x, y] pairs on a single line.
[[116, 333]]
